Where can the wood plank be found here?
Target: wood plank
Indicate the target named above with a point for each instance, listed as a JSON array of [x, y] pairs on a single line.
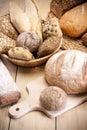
[[75, 119], [34, 120]]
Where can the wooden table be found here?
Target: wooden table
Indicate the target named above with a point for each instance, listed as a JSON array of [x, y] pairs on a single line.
[[75, 119]]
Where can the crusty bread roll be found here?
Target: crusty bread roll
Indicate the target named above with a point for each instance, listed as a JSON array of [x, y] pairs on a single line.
[[53, 98], [29, 40], [68, 70], [74, 21], [20, 53]]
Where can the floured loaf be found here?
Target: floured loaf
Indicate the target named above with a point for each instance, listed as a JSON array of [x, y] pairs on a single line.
[[9, 92], [68, 70]]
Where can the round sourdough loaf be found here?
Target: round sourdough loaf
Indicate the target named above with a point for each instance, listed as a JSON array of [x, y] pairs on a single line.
[[68, 70]]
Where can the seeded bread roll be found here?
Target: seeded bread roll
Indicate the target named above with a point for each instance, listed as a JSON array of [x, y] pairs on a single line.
[[49, 46], [68, 70], [20, 53], [6, 43], [59, 7], [53, 98], [51, 28]]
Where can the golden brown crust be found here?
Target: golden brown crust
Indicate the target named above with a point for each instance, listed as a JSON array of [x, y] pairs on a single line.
[[74, 21]]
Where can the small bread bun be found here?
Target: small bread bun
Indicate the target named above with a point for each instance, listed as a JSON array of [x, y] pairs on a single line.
[[68, 70], [29, 40], [20, 53], [53, 98]]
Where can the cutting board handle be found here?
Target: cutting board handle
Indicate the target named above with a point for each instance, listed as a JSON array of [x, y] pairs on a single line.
[[20, 109]]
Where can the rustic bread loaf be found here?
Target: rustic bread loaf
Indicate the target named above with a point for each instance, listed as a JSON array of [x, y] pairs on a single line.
[[7, 28], [68, 70], [6, 43], [20, 53], [9, 92], [74, 21], [59, 7], [53, 98]]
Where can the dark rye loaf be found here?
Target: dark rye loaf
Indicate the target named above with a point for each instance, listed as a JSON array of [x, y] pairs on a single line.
[[59, 7]]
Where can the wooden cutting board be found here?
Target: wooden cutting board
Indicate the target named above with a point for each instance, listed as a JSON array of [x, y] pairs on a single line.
[[32, 102]]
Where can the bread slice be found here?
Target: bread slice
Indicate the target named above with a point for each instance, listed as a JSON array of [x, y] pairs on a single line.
[[6, 43], [32, 13], [7, 28], [19, 18]]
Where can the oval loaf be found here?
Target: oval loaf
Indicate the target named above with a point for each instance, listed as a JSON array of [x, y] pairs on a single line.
[[68, 70]]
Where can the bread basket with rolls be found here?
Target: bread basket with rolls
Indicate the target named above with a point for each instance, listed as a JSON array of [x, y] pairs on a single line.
[[31, 49]]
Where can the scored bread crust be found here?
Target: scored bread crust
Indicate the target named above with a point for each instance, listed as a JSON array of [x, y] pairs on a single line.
[[68, 70]]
